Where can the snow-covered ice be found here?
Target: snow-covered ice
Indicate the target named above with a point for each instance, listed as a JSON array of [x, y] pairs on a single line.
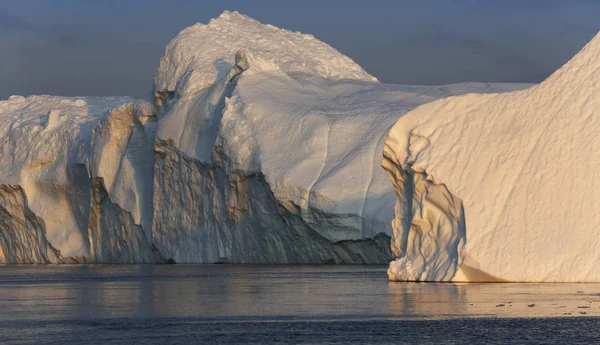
[[500, 186], [316, 137], [261, 145]]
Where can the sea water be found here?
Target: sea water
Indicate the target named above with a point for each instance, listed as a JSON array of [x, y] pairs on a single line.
[[257, 304]]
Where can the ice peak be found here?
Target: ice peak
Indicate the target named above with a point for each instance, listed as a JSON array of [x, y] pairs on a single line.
[[232, 16], [202, 54], [582, 69]]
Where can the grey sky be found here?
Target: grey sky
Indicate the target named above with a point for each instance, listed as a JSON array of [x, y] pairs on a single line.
[[111, 47]]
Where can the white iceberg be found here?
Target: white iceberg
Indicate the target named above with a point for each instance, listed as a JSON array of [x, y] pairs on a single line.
[[260, 145], [500, 187]]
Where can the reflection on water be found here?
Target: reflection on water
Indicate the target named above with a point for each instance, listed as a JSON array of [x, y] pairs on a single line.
[[125, 304], [269, 292], [429, 300]]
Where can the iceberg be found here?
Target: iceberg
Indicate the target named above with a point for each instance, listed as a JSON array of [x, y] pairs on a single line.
[[497, 187], [257, 145]]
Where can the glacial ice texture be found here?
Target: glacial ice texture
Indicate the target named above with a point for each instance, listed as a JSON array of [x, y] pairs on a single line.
[[520, 165], [259, 145]]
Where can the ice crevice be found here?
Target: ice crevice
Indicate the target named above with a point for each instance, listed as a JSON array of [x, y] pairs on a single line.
[[428, 229]]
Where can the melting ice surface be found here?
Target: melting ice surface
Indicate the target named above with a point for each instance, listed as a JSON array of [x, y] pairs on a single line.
[[119, 304]]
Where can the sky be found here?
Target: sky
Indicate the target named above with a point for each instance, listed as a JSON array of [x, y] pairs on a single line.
[[109, 47]]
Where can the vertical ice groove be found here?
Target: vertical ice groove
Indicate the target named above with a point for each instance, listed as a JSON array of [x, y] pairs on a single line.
[[113, 234], [428, 228], [306, 213]]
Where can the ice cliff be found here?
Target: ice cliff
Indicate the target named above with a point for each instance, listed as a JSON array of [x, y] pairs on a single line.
[[259, 145], [500, 187]]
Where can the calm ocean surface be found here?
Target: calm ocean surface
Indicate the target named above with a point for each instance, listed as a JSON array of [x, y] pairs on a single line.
[[223, 304]]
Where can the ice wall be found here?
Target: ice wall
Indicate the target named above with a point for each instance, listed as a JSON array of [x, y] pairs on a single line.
[[23, 236]]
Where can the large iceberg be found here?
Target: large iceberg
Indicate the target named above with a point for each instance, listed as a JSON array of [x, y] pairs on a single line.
[[258, 145], [500, 187]]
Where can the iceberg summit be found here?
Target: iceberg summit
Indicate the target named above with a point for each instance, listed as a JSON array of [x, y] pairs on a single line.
[[501, 187]]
